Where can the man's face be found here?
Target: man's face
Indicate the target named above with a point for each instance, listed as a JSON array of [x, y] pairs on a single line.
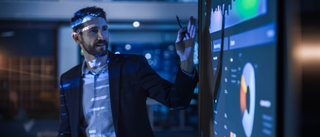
[[95, 37]]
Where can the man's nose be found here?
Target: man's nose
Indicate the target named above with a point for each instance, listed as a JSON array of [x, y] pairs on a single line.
[[101, 36]]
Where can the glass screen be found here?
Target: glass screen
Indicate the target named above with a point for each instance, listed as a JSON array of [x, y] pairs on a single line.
[[245, 103]]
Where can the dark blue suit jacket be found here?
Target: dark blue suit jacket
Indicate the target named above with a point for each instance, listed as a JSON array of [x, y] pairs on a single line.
[[131, 81]]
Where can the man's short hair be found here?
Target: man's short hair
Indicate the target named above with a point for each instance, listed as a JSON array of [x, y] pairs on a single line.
[[78, 18]]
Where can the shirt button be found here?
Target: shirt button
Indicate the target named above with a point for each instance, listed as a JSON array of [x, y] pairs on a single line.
[[96, 95], [98, 114]]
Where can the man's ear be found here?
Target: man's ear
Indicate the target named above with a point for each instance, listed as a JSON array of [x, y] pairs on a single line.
[[76, 37]]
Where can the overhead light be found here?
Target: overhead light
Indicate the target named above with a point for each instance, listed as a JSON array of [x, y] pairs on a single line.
[[127, 47], [136, 24]]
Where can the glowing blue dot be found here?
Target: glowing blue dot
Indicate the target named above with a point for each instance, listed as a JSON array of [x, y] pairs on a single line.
[[171, 47], [166, 54], [148, 56], [127, 47]]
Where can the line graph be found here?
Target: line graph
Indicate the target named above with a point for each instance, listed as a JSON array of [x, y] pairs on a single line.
[[237, 11]]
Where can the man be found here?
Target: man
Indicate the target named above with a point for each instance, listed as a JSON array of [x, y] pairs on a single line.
[[105, 96]]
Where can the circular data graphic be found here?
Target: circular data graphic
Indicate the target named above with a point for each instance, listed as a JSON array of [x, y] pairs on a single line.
[[247, 85]]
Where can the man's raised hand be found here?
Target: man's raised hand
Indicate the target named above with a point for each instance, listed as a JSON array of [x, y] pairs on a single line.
[[185, 45]]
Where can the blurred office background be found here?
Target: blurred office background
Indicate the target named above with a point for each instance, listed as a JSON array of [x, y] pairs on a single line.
[[36, 47]]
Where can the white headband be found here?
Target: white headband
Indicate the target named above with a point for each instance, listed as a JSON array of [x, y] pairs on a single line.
[[83, 20], [84, 29]]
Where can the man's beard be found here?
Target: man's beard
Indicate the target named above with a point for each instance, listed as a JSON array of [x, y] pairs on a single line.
[[91, 49]]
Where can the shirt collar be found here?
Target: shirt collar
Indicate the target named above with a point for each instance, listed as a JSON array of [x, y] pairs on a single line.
[[84, 69]]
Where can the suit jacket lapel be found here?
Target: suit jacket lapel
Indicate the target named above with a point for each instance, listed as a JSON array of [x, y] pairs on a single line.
[[114, 67], [73, 94]]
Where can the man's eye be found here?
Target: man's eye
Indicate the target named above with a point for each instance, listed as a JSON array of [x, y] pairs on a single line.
[[93, 31], [105, 28]]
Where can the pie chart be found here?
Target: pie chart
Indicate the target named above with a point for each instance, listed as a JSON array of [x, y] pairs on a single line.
[[247, 87]]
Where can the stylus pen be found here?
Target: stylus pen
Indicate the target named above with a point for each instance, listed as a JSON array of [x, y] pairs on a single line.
[[178, 19], [179, 22]]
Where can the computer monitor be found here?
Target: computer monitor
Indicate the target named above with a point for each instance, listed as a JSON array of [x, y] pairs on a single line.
[[242, 43]]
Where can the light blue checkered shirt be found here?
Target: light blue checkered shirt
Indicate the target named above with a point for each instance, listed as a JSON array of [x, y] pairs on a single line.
[[96, 102]]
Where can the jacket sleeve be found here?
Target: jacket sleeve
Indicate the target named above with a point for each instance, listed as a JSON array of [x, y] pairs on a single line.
[[64, 126], [175, 96]]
